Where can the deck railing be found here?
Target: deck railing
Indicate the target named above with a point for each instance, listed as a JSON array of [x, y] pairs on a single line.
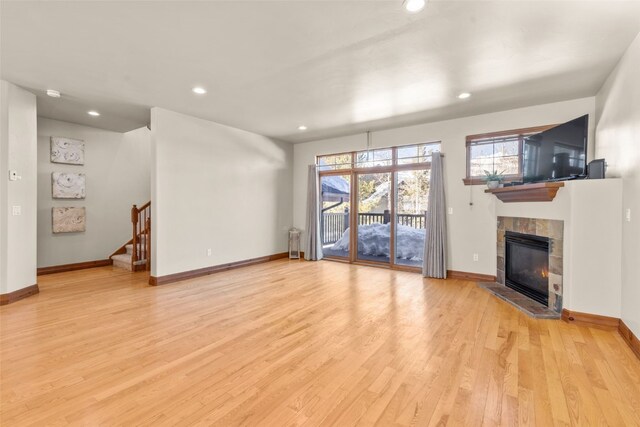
[[334, 224]]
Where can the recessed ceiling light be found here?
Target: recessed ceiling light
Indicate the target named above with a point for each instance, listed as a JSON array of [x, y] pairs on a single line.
[[93, 113], [53, 93], [302, 127], [414, 6], [464, 95], [199, 90]]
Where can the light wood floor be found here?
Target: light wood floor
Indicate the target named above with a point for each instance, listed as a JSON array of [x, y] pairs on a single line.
[[302, 343]]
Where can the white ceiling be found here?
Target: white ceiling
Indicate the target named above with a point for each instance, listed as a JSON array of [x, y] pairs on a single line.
[[337, 67]]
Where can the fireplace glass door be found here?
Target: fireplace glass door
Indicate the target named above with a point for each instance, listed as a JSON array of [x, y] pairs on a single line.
[[527, 265]]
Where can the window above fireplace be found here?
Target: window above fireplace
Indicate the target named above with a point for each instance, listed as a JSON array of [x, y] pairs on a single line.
[[497, 151]]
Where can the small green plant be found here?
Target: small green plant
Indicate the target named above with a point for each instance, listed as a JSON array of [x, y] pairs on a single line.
[[494, 176]]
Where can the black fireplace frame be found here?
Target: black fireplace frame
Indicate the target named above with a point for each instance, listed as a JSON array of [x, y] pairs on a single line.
[[531, 241]]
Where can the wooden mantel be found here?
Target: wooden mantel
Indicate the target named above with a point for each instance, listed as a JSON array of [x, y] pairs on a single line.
[[540, 192]]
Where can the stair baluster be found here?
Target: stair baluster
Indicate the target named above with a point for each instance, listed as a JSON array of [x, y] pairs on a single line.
[[140, 243], [134, 221], [148, 242], [141, 218]]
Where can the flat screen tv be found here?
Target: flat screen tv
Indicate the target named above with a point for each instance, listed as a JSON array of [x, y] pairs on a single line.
[[556, 154]]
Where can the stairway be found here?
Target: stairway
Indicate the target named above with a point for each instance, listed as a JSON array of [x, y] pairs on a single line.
[[134, 255], [124, 260]]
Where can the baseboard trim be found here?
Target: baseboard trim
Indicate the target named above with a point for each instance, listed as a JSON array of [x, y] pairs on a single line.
[[588, 319], [19, 294], [75, 266], [176, 277], [453, 274], [630, 338]]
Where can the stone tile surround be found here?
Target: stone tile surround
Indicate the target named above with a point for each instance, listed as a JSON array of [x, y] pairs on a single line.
[[551, 228]]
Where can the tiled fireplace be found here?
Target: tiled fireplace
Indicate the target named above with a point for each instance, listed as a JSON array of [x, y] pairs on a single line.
[[523, 243]]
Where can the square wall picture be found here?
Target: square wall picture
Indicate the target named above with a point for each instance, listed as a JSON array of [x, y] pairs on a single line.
[[67, 150], [68, 220], [66, 185]]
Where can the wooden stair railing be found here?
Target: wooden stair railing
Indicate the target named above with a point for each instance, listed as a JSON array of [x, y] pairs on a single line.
[[141, 223]]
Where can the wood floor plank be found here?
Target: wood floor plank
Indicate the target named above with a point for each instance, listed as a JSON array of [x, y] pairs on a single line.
[[301, 343]]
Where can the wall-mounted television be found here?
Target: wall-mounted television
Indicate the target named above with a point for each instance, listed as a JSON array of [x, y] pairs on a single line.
[[558, 153]]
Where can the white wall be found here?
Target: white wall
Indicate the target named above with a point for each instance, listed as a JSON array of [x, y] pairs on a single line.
[[472, 229], [618, 141], [590, 210], [218, 187], [117, 169], [17, 152]]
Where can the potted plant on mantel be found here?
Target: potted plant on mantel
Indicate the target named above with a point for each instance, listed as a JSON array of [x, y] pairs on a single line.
[[493, 179]]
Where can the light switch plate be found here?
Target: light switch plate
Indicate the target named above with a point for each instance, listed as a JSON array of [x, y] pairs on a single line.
[[13, 176], [16, 210], [627, 215], [450, 211]]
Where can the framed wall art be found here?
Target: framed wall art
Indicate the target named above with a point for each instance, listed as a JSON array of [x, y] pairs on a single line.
[[67, 150], [67, 185], [68, 220]]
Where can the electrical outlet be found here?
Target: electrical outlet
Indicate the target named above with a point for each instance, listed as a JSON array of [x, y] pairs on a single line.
[[209, 252], [16, 210], [450, 211], [627, 215], [475, 257]]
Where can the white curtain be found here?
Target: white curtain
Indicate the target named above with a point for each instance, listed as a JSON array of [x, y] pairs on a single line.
[[435, 242], [313, 247]]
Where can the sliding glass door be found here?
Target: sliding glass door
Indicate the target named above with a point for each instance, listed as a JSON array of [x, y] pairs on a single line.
[[374, 217], [412, 194], [374, 205], [335, 218]]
